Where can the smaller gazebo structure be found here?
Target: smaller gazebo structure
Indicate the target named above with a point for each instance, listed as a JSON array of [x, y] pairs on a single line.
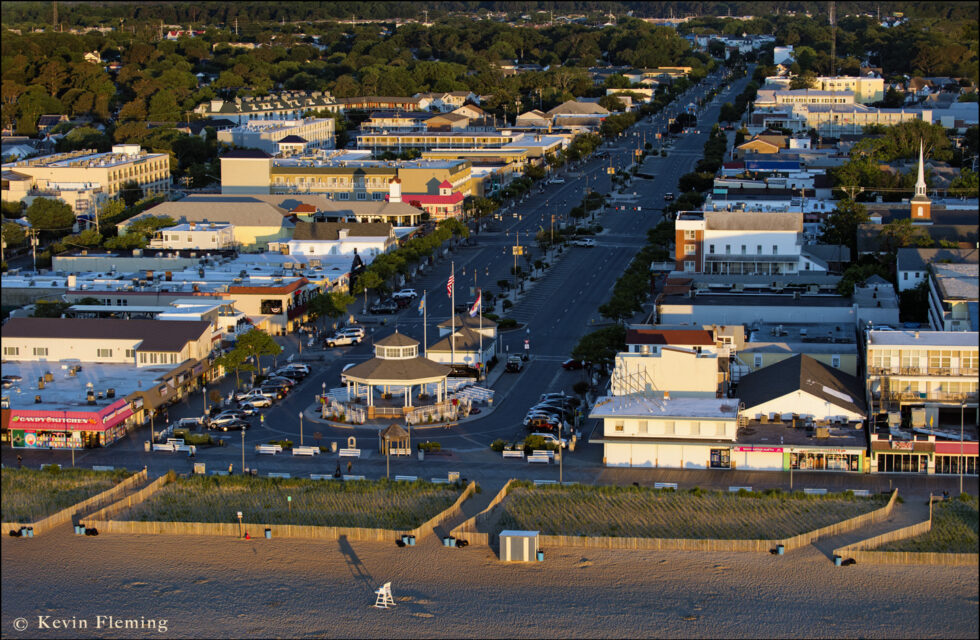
[[396, 365], [395, 440]]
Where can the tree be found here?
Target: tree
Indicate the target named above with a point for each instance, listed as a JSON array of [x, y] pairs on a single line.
[[806, 80], [966, 184], [842, 224], [131, 192], [611, 103], [332, 304], [50, 308], [600, 347], [728, 113], [901, 233], [13, 234], [12, 209], [45, 214], [252, 344], [893, 99], [859, 273]]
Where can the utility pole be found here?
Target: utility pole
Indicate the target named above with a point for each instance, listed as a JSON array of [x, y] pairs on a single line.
[[54, 19], [34, 247]]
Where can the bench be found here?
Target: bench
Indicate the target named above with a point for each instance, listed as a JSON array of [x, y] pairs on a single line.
[[401, 452], [440, 480], [177, 442], [45, 466], [220, 472], [102, 468], [164, 447], [513, 454], [350, 453], [184, 447], [268, 448], [665, 485], [406, 478], [544, 459], [278, 475], [815, 492], [864, 493], [538, 483], [353, 477], [544, 452], [306, 451], [320, 476], [737, 489]]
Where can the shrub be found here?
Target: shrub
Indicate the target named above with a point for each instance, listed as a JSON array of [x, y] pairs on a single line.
[[506, 323], [580, 387], [285, 444], [498, 445], [429, 446]]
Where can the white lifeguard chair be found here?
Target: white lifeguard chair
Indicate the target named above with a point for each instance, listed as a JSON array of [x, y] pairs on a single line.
[[384, 597]]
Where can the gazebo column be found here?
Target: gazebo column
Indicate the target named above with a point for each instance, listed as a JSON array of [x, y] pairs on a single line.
[[408, 395]]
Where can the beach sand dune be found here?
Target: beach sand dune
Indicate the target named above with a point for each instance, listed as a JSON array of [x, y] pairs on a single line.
[[222, 588]]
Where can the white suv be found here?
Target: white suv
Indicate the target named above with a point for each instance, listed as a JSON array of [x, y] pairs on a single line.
[[584, 242], [340, 339], [411, 294], [550, 437]]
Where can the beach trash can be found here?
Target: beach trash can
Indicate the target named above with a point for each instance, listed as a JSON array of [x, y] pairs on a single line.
[[445, 541], [79, 530], [837, 561], [268, 534], [411, 541], [333, 446], [540, 556], [30, 532], [146, 446], [405, 539], [452, 541], [780, 549]]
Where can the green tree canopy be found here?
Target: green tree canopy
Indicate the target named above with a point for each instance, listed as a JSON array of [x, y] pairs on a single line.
[[46, 214]]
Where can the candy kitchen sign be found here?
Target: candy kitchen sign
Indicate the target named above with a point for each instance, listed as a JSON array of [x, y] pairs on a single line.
[[107, 418]]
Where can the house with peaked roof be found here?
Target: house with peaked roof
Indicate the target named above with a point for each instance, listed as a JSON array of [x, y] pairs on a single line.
[[912, 263], [366, 239], [466, 347], [804, 387], [445, 204], [533, 118]]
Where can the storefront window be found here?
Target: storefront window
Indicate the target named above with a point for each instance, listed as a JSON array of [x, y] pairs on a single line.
[[721, 459], [813, 461], [951, 465], [903, 463]]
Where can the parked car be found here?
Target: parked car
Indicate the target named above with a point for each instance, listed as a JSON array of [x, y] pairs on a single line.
[[234, 425], [249, 408], [384, 306], [341, 339], [278, 393], [225, 417], [299, 366], [542, 425], [514, 364], [189, 423], [584, 242], [352, 330], [573, 365], [668, 196], [256, 400], [552, 438], [293, 374], [246, 396], [289, 382], [553, 396], [411, 294]]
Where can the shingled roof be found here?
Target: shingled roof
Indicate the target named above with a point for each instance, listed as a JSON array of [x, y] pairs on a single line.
[[802, 373], [331, 230]]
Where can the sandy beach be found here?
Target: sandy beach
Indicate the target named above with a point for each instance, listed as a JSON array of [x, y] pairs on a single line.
[[222, 588]]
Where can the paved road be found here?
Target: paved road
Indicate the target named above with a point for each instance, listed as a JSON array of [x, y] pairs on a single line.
[[556, 310]]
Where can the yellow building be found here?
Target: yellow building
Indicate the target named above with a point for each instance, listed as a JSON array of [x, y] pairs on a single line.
[[96, 176], [866, 90]]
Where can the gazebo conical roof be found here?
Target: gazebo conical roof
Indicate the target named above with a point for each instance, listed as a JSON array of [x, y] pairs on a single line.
[[397, 340], [394, 432]]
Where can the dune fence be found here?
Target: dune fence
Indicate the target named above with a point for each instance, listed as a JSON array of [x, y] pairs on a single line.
[[105, 521], [68, 514]]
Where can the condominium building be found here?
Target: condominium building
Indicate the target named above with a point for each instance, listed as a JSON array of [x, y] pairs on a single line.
[[86, 178], [316, 133], [866, 89], [288, 105], [922, 368]]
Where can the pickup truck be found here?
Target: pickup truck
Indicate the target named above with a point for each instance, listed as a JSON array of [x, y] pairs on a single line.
[[514, 364], [341, 339]]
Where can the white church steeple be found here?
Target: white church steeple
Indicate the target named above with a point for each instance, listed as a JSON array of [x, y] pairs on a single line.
[[921, 205]]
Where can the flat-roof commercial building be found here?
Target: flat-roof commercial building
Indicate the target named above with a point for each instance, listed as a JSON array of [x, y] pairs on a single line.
[[953, 297], [86, 179]]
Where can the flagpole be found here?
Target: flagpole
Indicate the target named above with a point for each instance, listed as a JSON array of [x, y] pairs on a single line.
[[425, 326], [479, 302], [452, 311]]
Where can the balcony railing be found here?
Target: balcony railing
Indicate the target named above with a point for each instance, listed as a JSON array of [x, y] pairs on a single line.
[[924, 371], [931, 396]]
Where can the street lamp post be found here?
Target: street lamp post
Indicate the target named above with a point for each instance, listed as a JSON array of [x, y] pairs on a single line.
[[243, 452], [962, 458], [204, 396], [301, 428]]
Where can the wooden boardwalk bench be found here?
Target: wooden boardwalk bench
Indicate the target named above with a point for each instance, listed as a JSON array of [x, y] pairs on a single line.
[[544, 459], [406, 478], [401, 452], [440, 480], [544, 452], [665, 485], [815, 492], [538, 483], [278, 475], [219, 472], [350, 453], [164, 447], [513, 454], [306, 451], [353, 477], [737, 489], [272, 449], [864, 493], [102, 468], [320, 476]]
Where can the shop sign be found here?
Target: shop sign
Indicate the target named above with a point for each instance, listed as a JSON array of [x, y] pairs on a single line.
[[903, 446], [62, 420], [967, 448], [760, 449]]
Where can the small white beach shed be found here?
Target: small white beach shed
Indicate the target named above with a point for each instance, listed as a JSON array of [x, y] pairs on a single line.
[[518, 546]]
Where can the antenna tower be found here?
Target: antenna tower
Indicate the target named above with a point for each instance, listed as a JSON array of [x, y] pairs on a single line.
[[833, 41]]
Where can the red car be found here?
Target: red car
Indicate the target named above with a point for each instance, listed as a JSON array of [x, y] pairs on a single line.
[[572, 364]]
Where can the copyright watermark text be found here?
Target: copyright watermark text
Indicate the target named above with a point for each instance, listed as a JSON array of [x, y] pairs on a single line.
[[99, 622]]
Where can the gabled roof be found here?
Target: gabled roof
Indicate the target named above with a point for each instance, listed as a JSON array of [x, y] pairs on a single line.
[[915, 259], [464, 320], [754, 220], [294, 139], [202, 208], [802, 373], [444, 184], [465, 340], [573, 107], [331, 230]]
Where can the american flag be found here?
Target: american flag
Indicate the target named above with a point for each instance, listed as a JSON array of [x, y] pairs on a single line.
[[449, 285]]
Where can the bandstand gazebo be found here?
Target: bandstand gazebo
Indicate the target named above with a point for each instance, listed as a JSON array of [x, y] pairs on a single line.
[[396, 365]]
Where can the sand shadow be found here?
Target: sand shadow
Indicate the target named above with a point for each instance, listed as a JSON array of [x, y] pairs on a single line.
[[354, 564]]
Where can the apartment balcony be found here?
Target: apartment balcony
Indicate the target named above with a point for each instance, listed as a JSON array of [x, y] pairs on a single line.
[[945, 397]]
